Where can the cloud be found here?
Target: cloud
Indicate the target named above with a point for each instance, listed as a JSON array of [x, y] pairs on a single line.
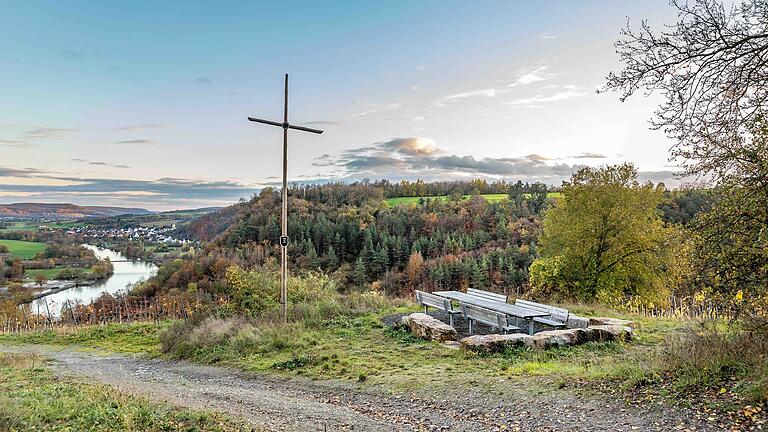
[[322, 123], [163, 193], [137, 127], [72, 55], [204, 80], [374, 108], [420, 158], [99, 163], [410, 146], [588, 155], [135, 141], [47, 132], [546, 36], [538, 100], [524, 78], [14, 143]]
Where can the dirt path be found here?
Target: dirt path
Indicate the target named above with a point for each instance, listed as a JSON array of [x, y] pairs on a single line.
[[282, 404]]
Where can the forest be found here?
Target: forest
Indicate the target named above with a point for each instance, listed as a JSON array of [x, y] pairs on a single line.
[[349, 232]]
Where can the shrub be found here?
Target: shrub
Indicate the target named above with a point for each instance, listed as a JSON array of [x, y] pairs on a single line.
[[711, 358]]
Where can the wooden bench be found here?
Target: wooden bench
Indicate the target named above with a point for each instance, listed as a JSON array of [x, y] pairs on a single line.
[[494, 319], [487, 295], [441, 303], [557, 316]]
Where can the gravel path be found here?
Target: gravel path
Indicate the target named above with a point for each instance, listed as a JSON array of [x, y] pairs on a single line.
[[297, 404]]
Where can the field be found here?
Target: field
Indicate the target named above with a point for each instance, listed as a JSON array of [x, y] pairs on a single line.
[[23, 249], [18, 226], [489, 197]]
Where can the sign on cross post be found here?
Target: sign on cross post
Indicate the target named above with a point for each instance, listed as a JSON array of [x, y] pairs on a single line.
[[284, 230]]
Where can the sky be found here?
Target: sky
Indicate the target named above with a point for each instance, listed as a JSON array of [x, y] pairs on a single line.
[[145, 104]]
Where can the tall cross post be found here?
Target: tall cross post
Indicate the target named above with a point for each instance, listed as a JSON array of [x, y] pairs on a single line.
[[284, 225]]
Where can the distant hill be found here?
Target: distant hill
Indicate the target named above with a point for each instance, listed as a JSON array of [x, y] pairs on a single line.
[[69, 211]]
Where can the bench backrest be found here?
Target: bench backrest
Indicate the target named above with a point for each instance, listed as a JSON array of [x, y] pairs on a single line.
[[485, 316], [559, 314], [487, 295], [427, 299]]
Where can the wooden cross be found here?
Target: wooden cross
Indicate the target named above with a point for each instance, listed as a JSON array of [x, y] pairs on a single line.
[[284, 231]]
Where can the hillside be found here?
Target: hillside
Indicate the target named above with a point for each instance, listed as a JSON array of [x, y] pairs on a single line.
[[70, 211]]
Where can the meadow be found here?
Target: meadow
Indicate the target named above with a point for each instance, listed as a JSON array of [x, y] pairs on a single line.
[[23, 249]]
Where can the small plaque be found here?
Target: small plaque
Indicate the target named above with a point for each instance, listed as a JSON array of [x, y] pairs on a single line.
[[284, 241]]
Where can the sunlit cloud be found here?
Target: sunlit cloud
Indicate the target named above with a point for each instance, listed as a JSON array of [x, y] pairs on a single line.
[[421, 158]]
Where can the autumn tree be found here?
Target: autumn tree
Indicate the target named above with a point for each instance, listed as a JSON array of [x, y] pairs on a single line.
[[711, 68], [604, 239]]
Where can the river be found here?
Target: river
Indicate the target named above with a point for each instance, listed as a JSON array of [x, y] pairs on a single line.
[[126, 274]]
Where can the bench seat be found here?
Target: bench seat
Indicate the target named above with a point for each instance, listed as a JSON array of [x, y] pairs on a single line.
[[440, 303], [549, 322], [494, 319]]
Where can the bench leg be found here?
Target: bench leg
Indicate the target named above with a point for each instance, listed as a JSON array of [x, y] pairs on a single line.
[[450, 318], [470, 326], [530, 327], [425, 309]]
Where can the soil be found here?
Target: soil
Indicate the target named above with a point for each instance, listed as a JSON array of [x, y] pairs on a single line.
[[278, 403]]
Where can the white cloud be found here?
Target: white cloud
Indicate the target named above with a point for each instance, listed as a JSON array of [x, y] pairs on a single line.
[[538, 100], [525, 78], [373, 108]]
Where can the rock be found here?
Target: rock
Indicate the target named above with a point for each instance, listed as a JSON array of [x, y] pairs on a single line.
[[557, 338], [424, 326], [612, 333], [451, 345], [495, 342], [599, 321], [575, 321]]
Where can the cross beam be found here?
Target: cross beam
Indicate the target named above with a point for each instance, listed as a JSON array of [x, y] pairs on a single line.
[[284, 230]]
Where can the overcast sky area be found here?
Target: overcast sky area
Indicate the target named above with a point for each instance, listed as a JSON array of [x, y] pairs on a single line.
[[144, 103]]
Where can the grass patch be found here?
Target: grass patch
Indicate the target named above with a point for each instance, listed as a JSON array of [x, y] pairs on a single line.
[[23, 249], [52, 273], [33, 399], [135, 338]]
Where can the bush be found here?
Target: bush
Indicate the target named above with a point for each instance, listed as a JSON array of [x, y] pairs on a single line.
[[711, 359], [251, 322]]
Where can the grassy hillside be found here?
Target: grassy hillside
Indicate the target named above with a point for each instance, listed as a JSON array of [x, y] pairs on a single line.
[[23, 249]]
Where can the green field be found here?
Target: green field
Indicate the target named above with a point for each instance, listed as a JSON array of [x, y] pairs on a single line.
[[23, 249], [50, 273], [17, 226], [489, 197]]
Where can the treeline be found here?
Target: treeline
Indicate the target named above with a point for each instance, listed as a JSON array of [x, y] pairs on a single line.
[[349, 231]]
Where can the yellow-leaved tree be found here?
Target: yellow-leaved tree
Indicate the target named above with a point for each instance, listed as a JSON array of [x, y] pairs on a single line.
[[604, 240]]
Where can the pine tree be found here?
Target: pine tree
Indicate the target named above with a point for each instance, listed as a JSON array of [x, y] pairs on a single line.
[[331, 260], [359, 275]]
